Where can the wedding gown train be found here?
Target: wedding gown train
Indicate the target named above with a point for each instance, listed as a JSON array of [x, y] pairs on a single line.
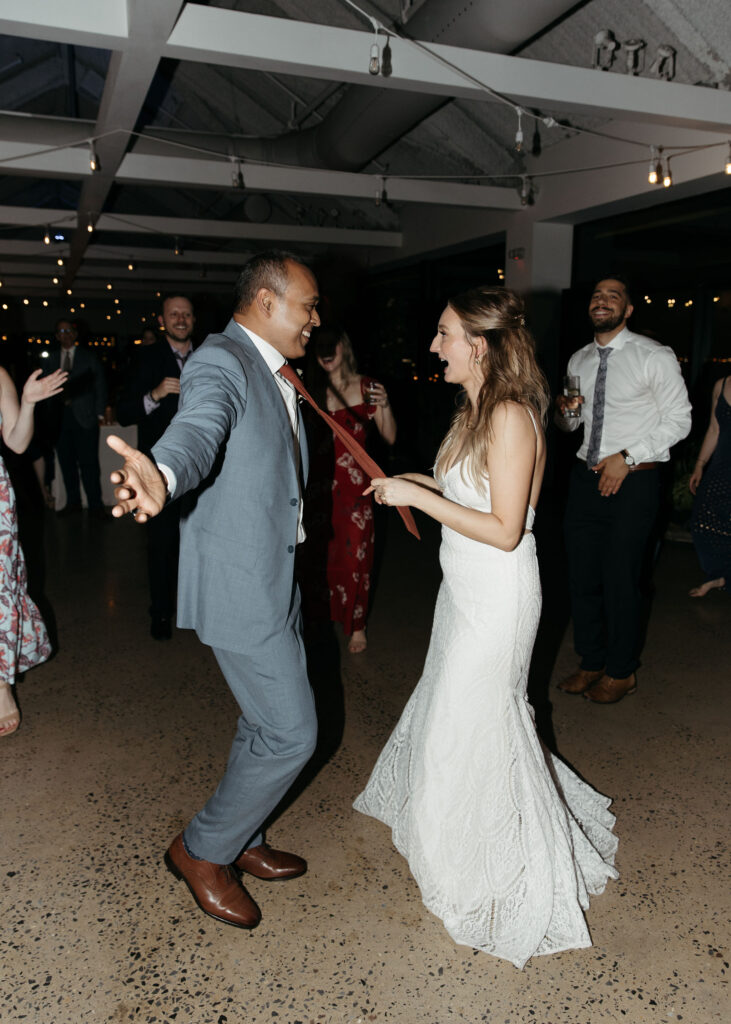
[[505, 842]]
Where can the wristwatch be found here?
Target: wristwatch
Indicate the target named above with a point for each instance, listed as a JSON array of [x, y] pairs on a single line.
[[629, 461]]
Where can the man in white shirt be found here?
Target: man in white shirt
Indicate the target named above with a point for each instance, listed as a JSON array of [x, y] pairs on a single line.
[[634, 408], [236, 449]]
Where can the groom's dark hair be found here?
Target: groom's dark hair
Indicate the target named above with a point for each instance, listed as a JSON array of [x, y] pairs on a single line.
[[265, 270]]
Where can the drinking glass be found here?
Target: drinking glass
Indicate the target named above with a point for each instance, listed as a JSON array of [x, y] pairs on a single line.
[[572, 390]]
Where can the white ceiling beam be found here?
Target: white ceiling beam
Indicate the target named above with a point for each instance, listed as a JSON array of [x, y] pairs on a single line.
[[216, 35], [194, 227], [236, 39], [102, 256], [101, 24], [128, 80], [147, 168], [139, 168]]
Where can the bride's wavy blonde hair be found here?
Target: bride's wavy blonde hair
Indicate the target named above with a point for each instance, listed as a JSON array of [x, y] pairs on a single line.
[[510, 374]]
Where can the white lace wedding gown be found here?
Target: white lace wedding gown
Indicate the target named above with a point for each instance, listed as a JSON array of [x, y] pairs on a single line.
[[505, 842]]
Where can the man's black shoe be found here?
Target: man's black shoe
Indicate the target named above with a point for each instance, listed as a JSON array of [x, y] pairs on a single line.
[[161, 627]]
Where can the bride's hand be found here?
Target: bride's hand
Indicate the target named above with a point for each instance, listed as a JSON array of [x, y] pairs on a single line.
[[393, 491]]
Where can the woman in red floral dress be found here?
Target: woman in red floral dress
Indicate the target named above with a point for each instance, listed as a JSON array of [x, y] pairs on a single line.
[[23, 637], [338, 553]]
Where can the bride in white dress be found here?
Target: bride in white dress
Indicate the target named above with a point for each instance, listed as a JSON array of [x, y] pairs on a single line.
[[505, 842]]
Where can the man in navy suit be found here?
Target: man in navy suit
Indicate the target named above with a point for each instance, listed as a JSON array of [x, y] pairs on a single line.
[[149, 398], [237, 448], [80, 410]]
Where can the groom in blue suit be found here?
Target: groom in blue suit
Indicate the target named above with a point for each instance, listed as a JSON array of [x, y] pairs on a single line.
[[237, 449]]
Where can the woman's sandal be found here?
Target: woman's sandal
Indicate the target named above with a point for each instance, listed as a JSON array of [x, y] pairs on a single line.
[[8, 722], [358, 642]]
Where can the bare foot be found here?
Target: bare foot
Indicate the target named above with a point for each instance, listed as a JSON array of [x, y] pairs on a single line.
[[358, 642], [9, 714], [703, 589]]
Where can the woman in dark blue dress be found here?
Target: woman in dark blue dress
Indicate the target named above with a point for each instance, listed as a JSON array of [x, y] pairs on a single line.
[[710, 482]]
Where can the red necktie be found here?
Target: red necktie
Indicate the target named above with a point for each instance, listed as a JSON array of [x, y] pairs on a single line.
[[359, 453]]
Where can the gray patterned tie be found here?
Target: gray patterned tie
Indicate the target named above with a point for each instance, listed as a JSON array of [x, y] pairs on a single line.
[[597, 411]]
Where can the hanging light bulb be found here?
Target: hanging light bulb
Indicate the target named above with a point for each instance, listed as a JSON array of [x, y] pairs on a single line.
[[728, 160], [54, 280], [90, 224], [519, 132], [653, 175], [374, 64], [667, 178], [381, 196], [94, 164], [59, 261], [524, 191], [47, 237], [237, 174], [130, 265], [178, 250]]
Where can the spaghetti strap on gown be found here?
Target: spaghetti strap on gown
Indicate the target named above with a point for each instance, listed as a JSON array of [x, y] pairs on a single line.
[[23, 637], [505, 842]]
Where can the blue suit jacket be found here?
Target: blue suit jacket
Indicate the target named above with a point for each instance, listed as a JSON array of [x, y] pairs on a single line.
[[231, 448]]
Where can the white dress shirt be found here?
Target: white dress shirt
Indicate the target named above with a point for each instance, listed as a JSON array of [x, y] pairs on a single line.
[[275, 361], [646, 406]]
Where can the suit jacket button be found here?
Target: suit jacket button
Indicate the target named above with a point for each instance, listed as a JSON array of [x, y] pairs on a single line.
[[294, 501], [290, 548]]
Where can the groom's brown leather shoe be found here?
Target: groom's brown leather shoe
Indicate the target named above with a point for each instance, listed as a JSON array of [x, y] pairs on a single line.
[[215, 887], [263, 862], [609, 690], [580, 680]]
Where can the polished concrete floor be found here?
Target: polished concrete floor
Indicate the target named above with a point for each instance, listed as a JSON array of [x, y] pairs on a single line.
[[123, 737]]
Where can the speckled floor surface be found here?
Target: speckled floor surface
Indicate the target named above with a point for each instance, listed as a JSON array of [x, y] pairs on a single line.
[[123, 738]]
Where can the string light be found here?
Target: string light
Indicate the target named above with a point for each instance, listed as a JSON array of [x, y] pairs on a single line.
[[237, 174], [59, 261], [667, 178], [47, 237], [109, 286], [655, 171], [178, 249], [54, 280], [519, 132], [130, 265], [94, 164], [374, 64]]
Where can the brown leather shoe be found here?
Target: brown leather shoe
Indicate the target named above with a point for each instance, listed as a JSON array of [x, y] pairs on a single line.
[[609, 690], [215, 887], [263, 862], [580, 680]]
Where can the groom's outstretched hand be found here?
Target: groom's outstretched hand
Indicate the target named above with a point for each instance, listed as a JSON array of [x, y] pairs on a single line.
[[140, 486]]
